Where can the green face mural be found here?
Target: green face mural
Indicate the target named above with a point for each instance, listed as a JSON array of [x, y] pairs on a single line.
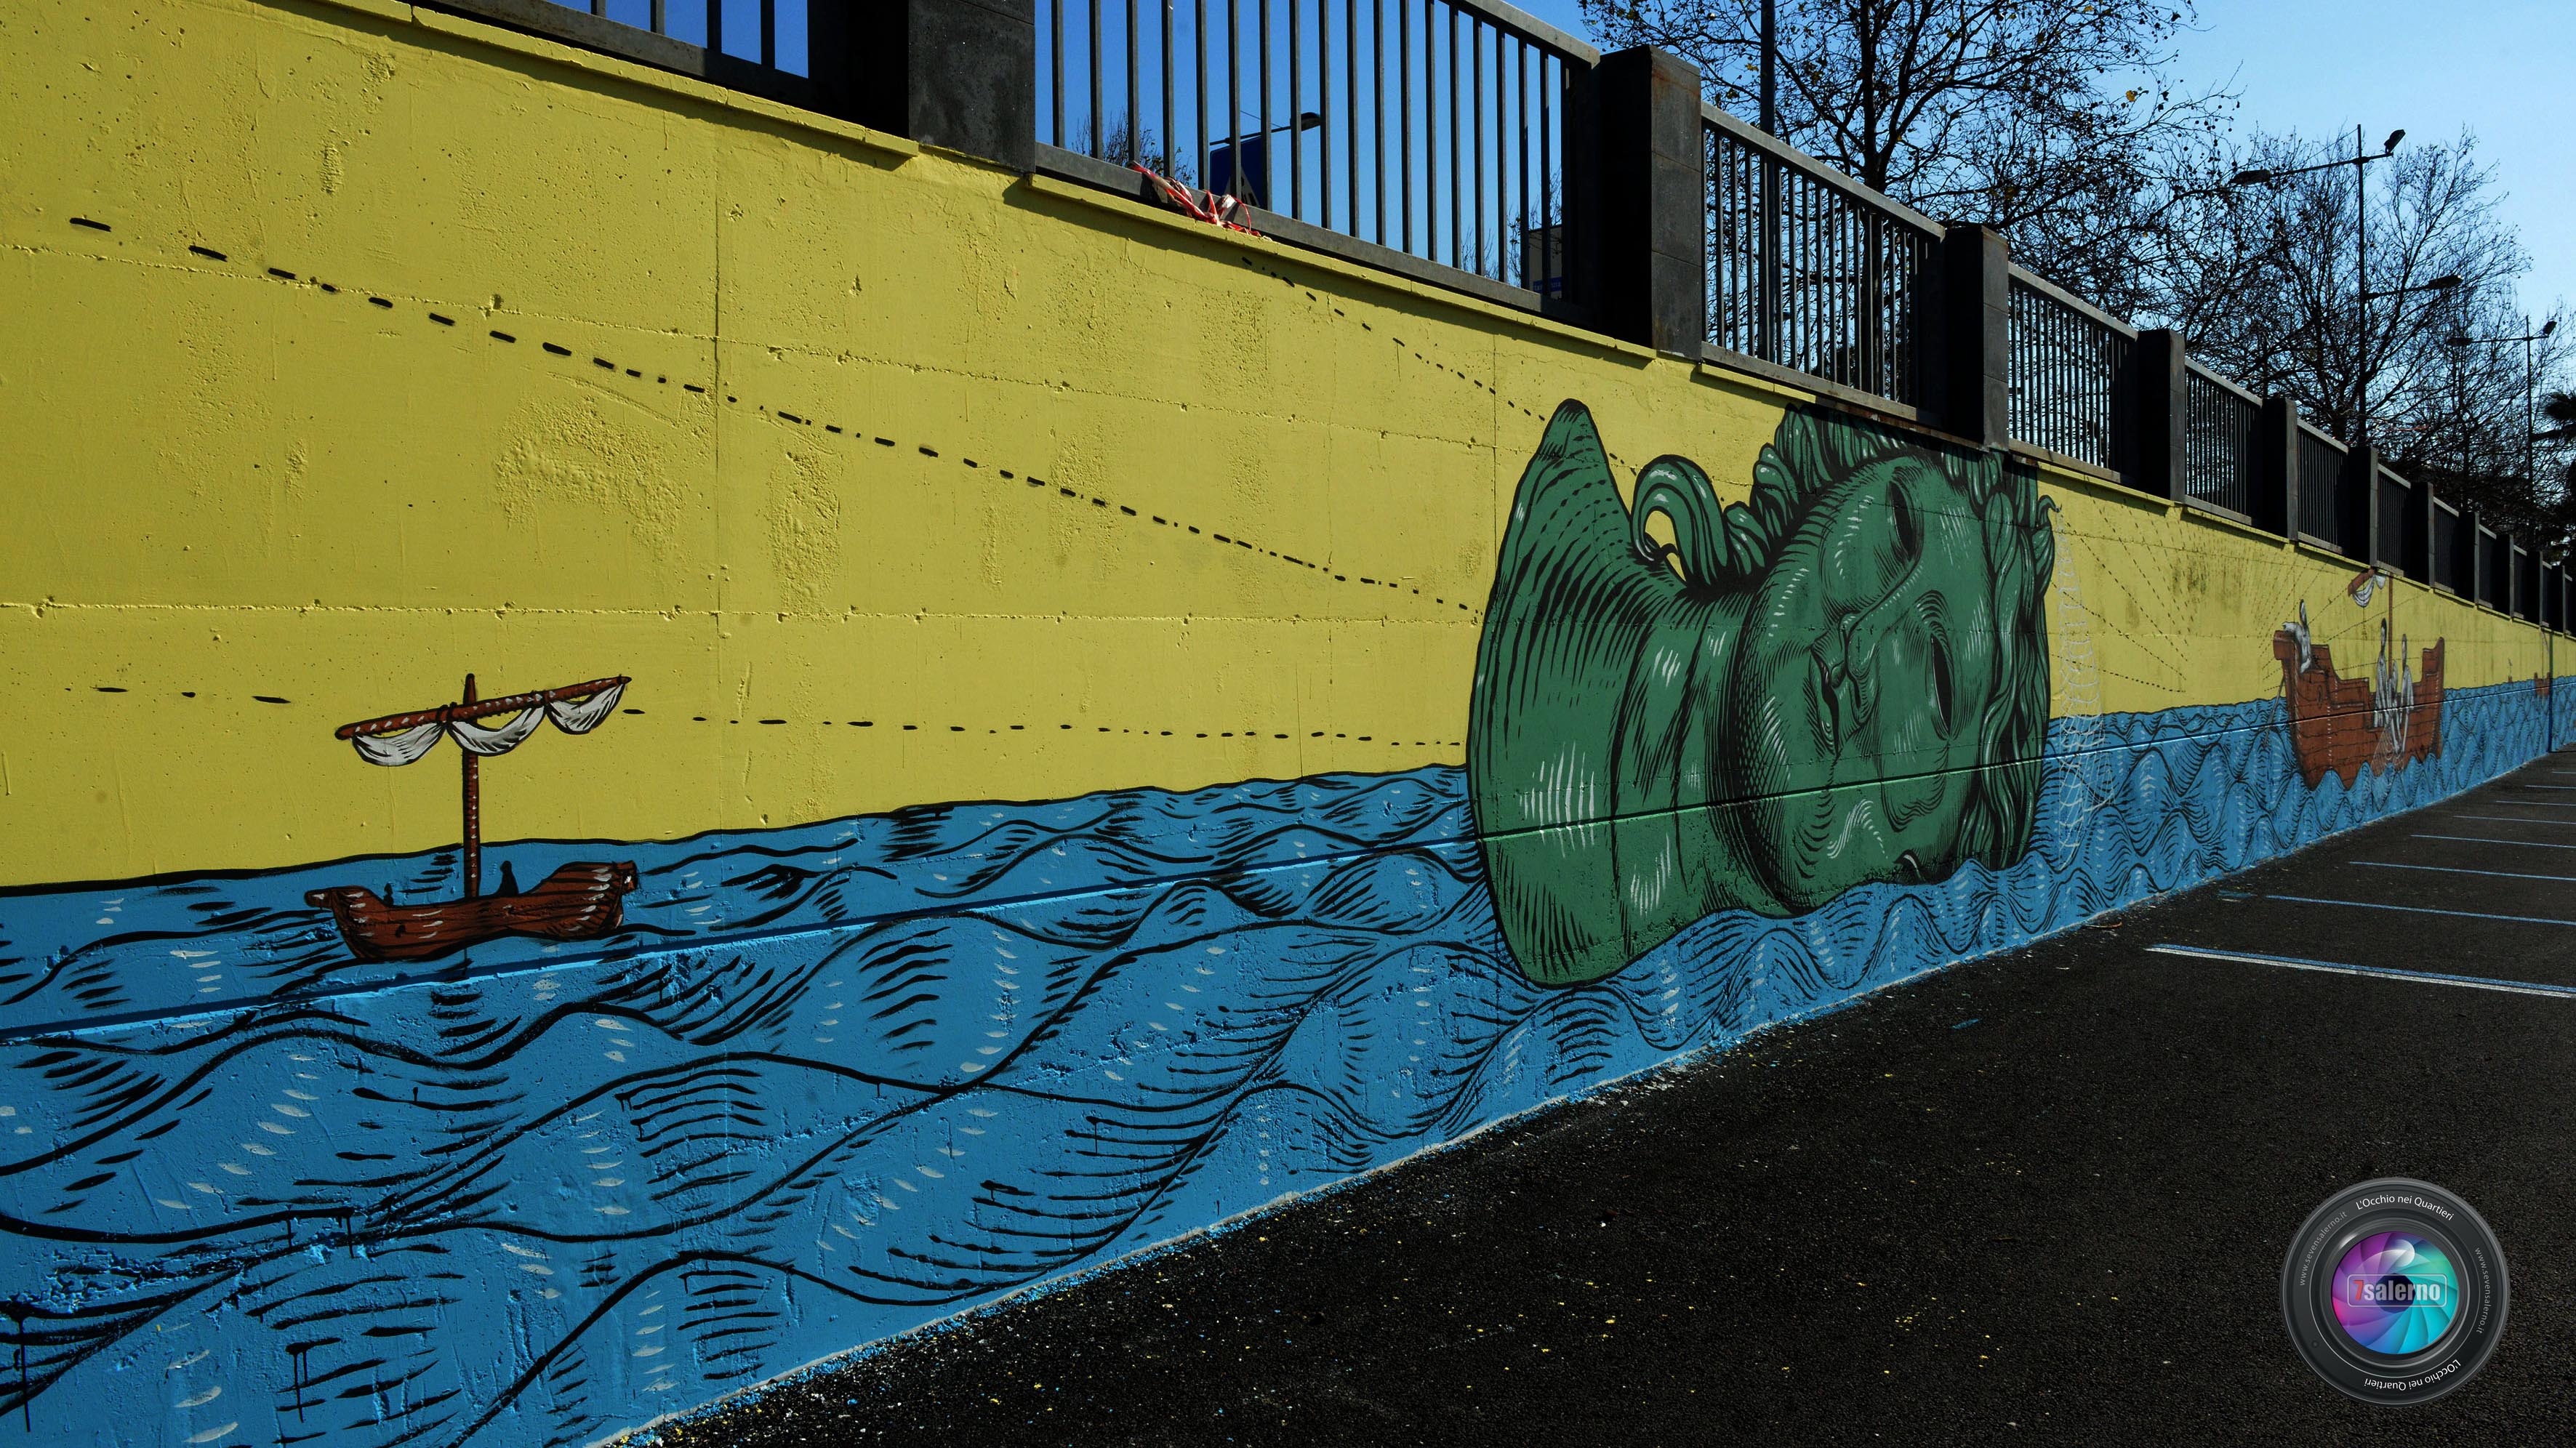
[[1844, 680]]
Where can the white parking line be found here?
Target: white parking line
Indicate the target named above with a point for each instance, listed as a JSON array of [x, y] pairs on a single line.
[[2420, 977], [2514, 820], [2535, 803], [2409, 909], [2545, 786], [2460, 870], [2491, 840]]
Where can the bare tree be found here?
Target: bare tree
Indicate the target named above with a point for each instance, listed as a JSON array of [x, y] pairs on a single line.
[[2264, 282], [2054, 120]]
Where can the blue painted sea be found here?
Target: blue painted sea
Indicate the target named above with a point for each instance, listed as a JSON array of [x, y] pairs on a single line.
[[839, 1080]]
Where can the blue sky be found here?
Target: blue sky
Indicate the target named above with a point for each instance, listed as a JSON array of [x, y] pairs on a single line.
[[2503, 69]]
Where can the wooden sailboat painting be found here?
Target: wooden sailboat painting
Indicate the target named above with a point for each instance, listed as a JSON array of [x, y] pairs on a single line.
[[579, 901]]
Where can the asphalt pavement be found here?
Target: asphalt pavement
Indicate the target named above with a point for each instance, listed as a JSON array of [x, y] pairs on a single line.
[[2040, 1198]]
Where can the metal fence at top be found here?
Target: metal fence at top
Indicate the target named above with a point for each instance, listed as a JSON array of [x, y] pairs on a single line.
[[2068, 360], [1810, 270], [2491, 567], [756, 45], [2218, 441], [2402, 541], [1433, 127], [2322, 488]]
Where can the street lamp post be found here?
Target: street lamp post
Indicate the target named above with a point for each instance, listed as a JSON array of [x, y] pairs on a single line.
[[2530, 386], [1770, 68], [2360, 163]]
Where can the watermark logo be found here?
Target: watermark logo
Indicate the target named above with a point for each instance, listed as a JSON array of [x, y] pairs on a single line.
[[2394, 1291], [2367, 1289]]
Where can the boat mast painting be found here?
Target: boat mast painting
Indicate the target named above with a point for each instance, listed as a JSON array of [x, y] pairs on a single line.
[[2337, 725], [579, 901]]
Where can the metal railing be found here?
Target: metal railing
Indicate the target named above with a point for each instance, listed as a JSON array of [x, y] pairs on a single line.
[[2401, 542], [2324, 493], [1810, 270], [2220, 419], [2068, 361], [760, 46], [1432, 127], [1449, 131]]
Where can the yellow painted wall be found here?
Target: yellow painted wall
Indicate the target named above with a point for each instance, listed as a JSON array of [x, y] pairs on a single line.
[[258, 488]]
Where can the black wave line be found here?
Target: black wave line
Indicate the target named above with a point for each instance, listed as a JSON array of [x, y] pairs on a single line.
[[238, 1225], [384, 1050], [1043, 1029], [519, 1385]]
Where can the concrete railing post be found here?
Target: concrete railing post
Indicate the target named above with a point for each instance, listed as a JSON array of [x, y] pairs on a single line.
[[959, 74], [2276, 474], [1969, 357], [2160, 399], [1652, 254]]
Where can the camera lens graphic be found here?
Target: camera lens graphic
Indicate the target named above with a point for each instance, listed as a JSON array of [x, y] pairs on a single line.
[[2396, 1293]]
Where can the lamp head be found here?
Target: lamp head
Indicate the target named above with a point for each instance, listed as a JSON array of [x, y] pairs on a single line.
[[2549, 326], [2443, 283], [2393, 138], [2251, 176]]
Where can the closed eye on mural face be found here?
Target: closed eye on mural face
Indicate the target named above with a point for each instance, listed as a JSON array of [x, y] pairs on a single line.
[[1943, 698], [1909, 526]]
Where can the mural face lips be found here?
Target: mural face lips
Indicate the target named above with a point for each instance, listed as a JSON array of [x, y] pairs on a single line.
[[1842, 681]]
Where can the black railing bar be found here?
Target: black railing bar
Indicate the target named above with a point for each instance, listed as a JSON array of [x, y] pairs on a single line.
[[1528, 27], [1476, 108], [2229, 383], [715, 26], [1296, 100], [1520, 107], [1170, 159], [2064, 298], [1404, 114], [1097, 143], [769, 33], [1233, 100], [1198, 88], [1135, 76], [661, 20], [1324, 108], [1377, 108], [1457, 191], [1546, 182], [1261, 113], [1800, 161], [1055, 70]]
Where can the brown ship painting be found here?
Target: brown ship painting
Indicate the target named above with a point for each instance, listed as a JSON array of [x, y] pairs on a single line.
[[2337, 725], [579, 901]]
